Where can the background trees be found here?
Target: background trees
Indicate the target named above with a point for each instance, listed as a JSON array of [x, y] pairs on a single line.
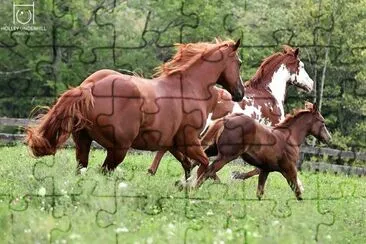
[[139, 35]]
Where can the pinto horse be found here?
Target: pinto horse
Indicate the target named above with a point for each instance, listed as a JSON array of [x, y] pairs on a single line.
[[122, 111], [268, 148], [264, 97]]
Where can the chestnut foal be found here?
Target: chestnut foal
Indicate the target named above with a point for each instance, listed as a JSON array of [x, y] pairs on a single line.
[[268, 148]]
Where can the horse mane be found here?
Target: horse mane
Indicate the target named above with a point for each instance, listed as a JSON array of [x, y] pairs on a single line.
[[269, 64], [294, 114], [187, 55]]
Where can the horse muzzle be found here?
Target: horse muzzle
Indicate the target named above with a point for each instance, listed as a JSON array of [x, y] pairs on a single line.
[[325, 136], [238, 96]]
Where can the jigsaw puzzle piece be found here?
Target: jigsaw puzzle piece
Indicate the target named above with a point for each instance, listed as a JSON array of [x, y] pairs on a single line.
[[38, 218]]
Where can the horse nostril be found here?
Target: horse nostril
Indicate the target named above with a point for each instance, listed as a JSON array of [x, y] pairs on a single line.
[[237, 95]]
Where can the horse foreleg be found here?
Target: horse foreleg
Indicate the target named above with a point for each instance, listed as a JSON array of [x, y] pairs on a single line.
[[114, 157], [155, 164], [186, 163], [261, 182], [196, 153], [82, 145], [217, 164], [290, 173]]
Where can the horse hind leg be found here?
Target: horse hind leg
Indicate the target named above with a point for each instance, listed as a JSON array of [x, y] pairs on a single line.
[[82, 142], [155, 164], [243, 176], [114, 157]]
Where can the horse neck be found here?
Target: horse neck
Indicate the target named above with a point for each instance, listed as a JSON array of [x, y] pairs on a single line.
[[200, 77], [276, 83], [298, 128], [222, 108]]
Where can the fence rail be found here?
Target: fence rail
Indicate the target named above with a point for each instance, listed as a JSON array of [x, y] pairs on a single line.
[[305, 150], [334, 153], [16, 121]]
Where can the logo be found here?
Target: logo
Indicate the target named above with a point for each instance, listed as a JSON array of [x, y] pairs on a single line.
[[23, 20], [23, 14]]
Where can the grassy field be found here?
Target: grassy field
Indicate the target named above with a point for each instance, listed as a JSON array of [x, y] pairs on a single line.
[[42, 201]]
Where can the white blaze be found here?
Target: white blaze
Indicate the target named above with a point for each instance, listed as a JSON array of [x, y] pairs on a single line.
[[303, 78]]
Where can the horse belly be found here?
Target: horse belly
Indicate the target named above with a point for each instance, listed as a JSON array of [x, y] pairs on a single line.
[[158, 130], [151, 140], [266, 156]]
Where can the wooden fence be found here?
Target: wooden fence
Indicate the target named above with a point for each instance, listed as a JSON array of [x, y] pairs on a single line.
[[301, 164]]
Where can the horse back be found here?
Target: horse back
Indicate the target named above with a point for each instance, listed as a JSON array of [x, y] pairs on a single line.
[[244, 134], [98, 76]]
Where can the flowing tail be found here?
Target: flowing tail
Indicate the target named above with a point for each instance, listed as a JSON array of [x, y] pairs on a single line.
[[210, 138], [55, 126]]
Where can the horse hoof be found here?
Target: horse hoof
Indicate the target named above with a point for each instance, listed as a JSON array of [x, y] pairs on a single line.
[[105, 171], [236, 175], [217, 181], [180, 185], [151, 172]]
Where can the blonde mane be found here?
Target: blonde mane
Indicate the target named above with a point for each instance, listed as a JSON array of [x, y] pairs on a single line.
[[269, 64], [187, 55]]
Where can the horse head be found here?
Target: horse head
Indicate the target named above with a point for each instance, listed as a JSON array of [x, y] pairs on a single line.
[[230, 77], [298, 75], [318, 128]]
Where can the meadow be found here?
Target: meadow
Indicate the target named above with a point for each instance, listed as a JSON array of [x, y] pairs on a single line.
[[44, 201]]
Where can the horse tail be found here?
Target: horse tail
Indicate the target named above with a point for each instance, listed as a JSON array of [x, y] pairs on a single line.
[[213, 133], [54, 128]]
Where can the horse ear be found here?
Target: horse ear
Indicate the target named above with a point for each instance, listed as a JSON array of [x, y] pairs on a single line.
[[296, 52], [237, 44], [315, 107]]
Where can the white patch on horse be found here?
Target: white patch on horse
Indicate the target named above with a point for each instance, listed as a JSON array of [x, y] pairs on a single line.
[[278, 86], [208, 122], [253, 111], [303, 78], [237, 109], [265, 121], [248, 100], [250, 110]]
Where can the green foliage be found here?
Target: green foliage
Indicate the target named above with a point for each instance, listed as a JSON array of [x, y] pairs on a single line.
[[84, 40]]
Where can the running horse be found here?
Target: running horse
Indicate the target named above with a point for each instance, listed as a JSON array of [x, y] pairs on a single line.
[[268, 148], [122, 111], [264, 98]]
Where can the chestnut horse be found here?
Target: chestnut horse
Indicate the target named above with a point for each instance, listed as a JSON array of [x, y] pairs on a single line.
[[218, 111], [222, 96], [264, 96], [122, 111], [268, 148]]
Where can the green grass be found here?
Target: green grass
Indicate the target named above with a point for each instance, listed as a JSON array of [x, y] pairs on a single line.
[[42, 200]]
